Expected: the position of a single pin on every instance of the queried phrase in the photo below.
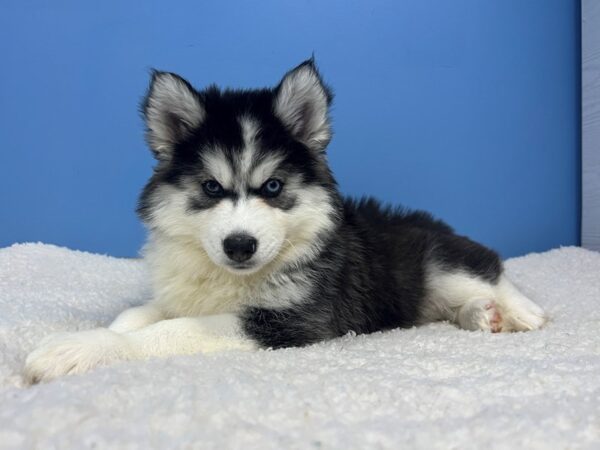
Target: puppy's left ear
(302, 103)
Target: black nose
(239, 247)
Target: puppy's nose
(239, 247)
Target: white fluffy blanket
(429, 387)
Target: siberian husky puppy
(251, 245)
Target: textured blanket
(430, 387)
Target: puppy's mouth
(243, 268)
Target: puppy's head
(241, 173)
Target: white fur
(248, 215)
(187, 283)
(70, 353)
(188, 280)
(247, 157)
(520, 313)
(73, 353)
(189, 335)
(217, 165)
(474, 303)
(252, 173)
(263, 171)
(136, 318)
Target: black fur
(370, 276)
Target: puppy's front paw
(72, 353)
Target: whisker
(291, 245)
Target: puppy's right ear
(172, 109)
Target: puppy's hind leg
(474, 303)
(462, 298)
(465, 284)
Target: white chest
(187, 283)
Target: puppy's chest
(184, 296)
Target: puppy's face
(241, 173)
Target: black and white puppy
(251, 245)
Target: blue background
(467, 108)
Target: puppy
(251, 245)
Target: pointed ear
(302, 103)
(171, 109)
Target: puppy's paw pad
(493, 317)
(481, 314)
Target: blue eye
(271, 188)
(213, 188)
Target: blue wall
(468, 108)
